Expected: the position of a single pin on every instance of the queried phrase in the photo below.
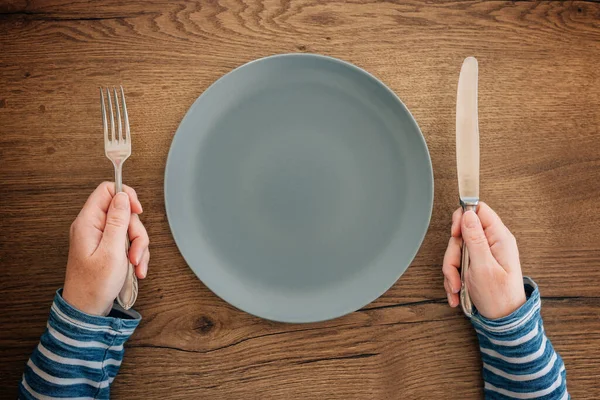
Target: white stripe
(517, 360)
(76, 361)
(81, 344)
(531, 395)
(90, 327)
(66, 381)
(512, 343)
(43, 397)
(513, 325)
(565, 396)
(523, 378)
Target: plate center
(299, 186)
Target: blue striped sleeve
(519, 361)
(79, 354)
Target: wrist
(508, 306)
(516, 301)
(85, 302)
(524, 312)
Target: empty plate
(298, 188)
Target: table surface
(539, 99)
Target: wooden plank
(539, 101)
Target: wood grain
(539, 118)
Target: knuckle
(449, 272)
(455, 243)
(130, 191)
(456, 215)
(74, 227)
(143, 241)
(445, 270)
(476, 238)
(499, 221)
(105, 185)
(117, 221)
(447, 286)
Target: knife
(467, 158)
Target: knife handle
(465, 299)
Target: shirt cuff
(118, 320)
(79, 354)
(519, 319)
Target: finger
(117, 224)
(136, 206)
(502, 242)
(487, 216)
(494, 228)
(456, 218)
(139, 239)
(452, 264)
(452, 298)
(474, 238)
(84, 236)
(141, 270)
(97, 204)
(103, 194)
(446, 286)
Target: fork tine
(125, 116)
(104, 124)
(112, 116)
(118, 110)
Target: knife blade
(467, 156)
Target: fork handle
(129, 292)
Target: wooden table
(540, 148)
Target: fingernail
(145, 270)
(471, 219)
(455, 290)
(450, 299)
(121, 201)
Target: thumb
(475, 239)
(117, 222)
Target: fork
(117, 150)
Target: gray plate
(298, 188)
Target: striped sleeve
(79, 354)
(519, 361)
